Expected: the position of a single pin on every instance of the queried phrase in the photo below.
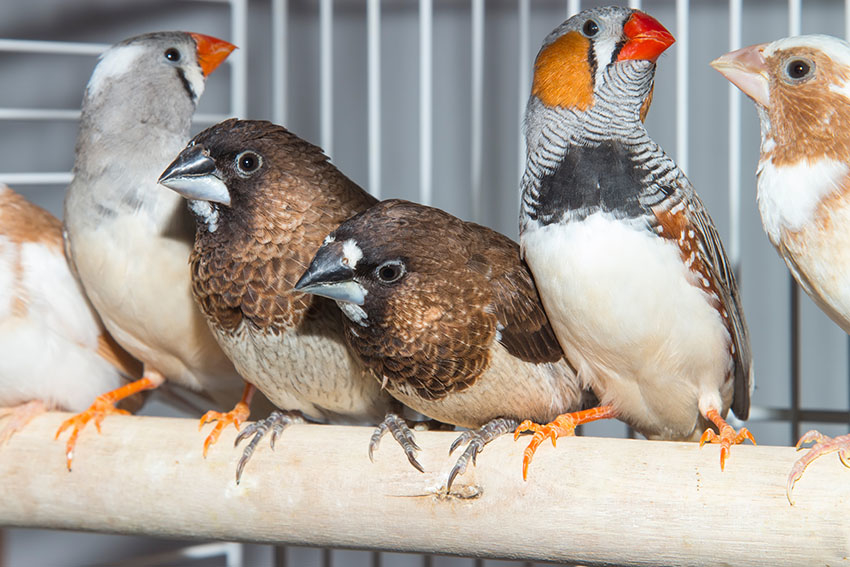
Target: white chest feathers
(789, 195)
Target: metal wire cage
(424, 100)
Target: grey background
(51, 81)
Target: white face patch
(354, 312)
(114, 62)
(196, 79)
(207, 212)
(788, 196)
(352, 252)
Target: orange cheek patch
(562, 73)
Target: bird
(54, 351)
(628, 263)
(445, 314)
(263, 200)
(128, 240)
(798, 86)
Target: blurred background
(423, 100)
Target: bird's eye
(248, 162)
(590, 29)
(390, 272)
(172, 54)
(799, 70)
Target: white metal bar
(682, 67)
(53, 47)
(636, 4)
(239, 58)
(477, 103)
(62, 178)
(426, 78)
(326, 74)
(524, 21)
(846, 19)
(373, 29)
(280, 25)
(795, 17)
(736, 8)
(38, 114)
(573, 7)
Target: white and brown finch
(54, 351)
(629, 265)
(801, 87)
(445, 314)
(129, 239)
(264, 199)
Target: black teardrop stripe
(602, 177)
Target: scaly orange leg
(563, 426)
(104, 405)
(240, 412)
(18, 417)
(823, 445)
(727, 436)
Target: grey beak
(194, 175)
(329, 277)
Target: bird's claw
(18, 417)
(476, 440)
(402, 433)
(563, 426)
(101, 407)
(726, 439)
(822, 446)
(240, 412)
(277, 421)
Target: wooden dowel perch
(590, 501)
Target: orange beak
(211, 51)
(647, 38)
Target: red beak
(211, 51)
(647, 38)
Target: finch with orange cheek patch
(629, 265)
(263, 200)
(445, 314)
(54, 351)
(801, 88)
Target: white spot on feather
(207, 212)
(352, 252)
(354, 312)
(114, 62)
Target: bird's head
(156, 62)
(581, 56)
(801, 88)
(237, 174)
(383, 264)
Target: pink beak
(747, 70)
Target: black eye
(172, 54)
(390, 272)
(798, 69)
(248, 162)
(590, 28)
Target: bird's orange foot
(726, 438)
(563, 426)
(101, 407)
(236, 416)
(18, 417)
(822, 446)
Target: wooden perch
(590, 501)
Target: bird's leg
(822, 446)
(18, 417)
(240, 412)
(402, 434)
(563, 426)
(277, 421)
(727, 436)
(104, 405)
(476, 440)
